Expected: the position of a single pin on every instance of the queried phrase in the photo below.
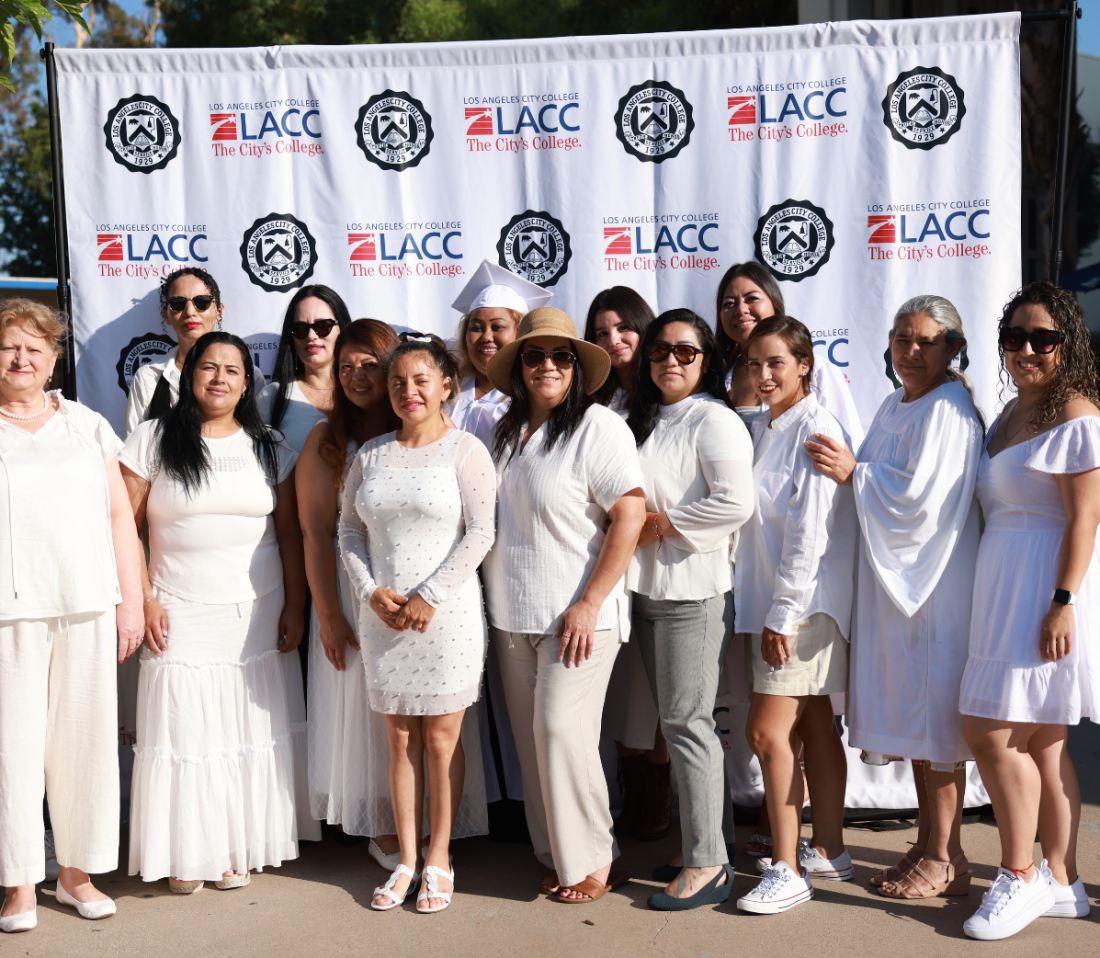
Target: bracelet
(660, 538)
(147, 601)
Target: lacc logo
(914, 233)
(670, 243)
(288, 130)
(403, 253)
(536, 127)
(157, 256)
(816, 114)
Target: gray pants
(683, 646)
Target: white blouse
(697, 464)
(485, 413)
(300, 416)
(218, 545)
(57, 554)
(145, 381)
(797, 553)
(552, 510)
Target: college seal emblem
(140, 351)
(142, 134)
(394, 130)
(923, 108)
(278, 252)
(654, 121)
(793, 239)
(535, 246)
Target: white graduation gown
(914, 491)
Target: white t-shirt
(218, 546)
(57, 552)
(551, 520)
(300, 416)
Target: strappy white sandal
(430, 888)
(386, 891)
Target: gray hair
(942, 312)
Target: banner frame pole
(60, 229)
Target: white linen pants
(556, 714)
(58, 735)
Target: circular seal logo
(536, 247)
(142, 134)
(394, 130)
(793, 239)
(278, 252)
(923, 108)
(654, 121)
(140, 351)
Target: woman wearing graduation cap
(492, 303)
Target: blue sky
(1088, 28)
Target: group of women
(576, 535)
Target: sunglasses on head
(179, 303)
(1043, 341)
(562, 358)
(685, 355)
(321, 327)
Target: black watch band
(1063, 597)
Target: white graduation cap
(493, 285)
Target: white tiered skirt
(220, 767)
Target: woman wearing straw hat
(571, 505)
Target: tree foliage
(29, 13)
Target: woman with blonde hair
(70, 598)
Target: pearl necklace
(41, 412)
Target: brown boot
(655, 820)
(632, 789)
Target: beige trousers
(556, 714)
(58, 715)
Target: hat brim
(595, 362)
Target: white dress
(914, 492)
(219, 778)
(300, 416)
(1006, 677)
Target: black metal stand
(1070, 14)
(60, 230)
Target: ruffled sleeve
(1067, 449)
(139, 451)
(913, 514)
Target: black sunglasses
(685, 355)
(321, 327)
(562, 358)
(1043, 341)
(179, 303)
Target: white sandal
(429, 889)
(386, 891)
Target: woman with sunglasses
(190, 306)
(301, 392)
(1034, 666)
(697, 463)
(570, 507)
(914, 492)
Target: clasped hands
(401, 612)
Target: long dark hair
(635, 314)
(647, 397)
(347, 421)
(1075, 374)
(181, 452)
(728, 350)
(564, 417)
(288, 365)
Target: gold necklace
(1010, 437)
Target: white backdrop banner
(862, 162)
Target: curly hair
(200, 274)
(1075, 374)
(45, 322)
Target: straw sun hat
(548, 321)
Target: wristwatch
(1063, 597)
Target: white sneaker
(1070, 901)
(816, 864)
(1009, 906)
(779, 889)
(53, 869)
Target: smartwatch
(1063, 597)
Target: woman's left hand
(832, 457)
(415, 614)
(577, 631)
(130, 623)
(775, 649)
(291, 629)
(1056, 633)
